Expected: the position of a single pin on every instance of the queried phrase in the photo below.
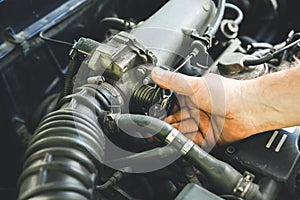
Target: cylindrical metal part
(163, 33)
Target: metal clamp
(244, 184)
(166, 98)
(187, 147)
(135, 46)
(172, 135)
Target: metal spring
(143, 98)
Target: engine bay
(83, 119)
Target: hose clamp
(187, 147)
(172, 135)
(244, 184)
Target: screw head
(230, 150)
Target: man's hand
(216, 109)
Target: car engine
(81, 117)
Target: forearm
(275, 99)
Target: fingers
(195, 88)
(203, 139)
(186, 126)
(197, 138)
(194, 124)
(181, 84)
(178, 116)
(185, 113)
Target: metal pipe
(240, 15)
(215, 24)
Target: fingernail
(158, 72)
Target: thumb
(179, 83)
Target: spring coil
(64, 156)
(143, 98)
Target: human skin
(247, 108)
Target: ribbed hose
(73, 67)
(65, 154)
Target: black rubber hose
(258, 61)
(113, 180)
(82, 48)
(116, 23)
(157, 153)
(222, 176)
(215, 24)
(65, 154)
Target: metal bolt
(233, 27)
(230, 150)
(147, 81)
(96, 80)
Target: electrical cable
(43, 37)
(269, 56)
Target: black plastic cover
(274, 154)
